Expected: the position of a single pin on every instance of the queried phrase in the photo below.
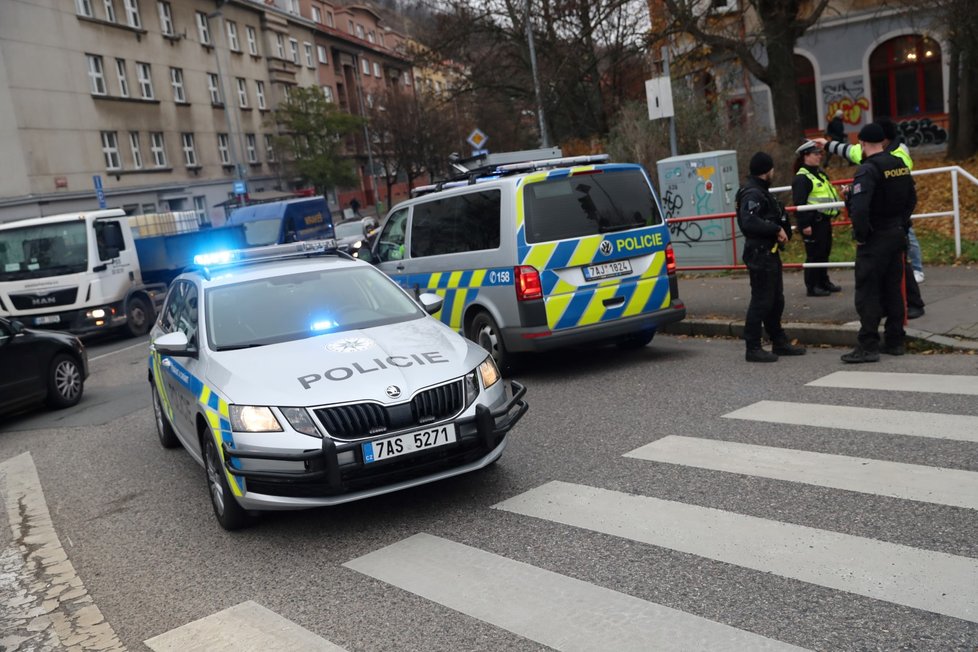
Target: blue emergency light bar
(270, 252)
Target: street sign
(479, 152)
(240, 188)
(477, 138)
(99, 193)
(659, 94)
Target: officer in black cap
(880, 203)
(765, 226)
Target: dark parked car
(39, 366)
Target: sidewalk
(716, 305)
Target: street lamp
(544, 137)
(234, 131)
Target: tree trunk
(781, 81)
(966, 131)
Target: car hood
(355, 365)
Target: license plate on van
(607, 270)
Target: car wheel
(168, 438)
(139, 316)
(229, 513)
(65, 382)
(484, 332)
(635, 340)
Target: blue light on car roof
(214, 258)
(324, 325)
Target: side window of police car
(187, 319)
(390, 246)
(174, 303)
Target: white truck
(86, 273)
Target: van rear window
(588, 204)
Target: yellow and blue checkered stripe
(215, 408)
(458, 288)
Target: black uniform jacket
(882, 196)
(760, 216)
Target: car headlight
(301, 422)
(489, 372)
(251, 418)
(471, 388)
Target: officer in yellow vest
(811, 186)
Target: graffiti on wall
(921, 132)
(847, 96)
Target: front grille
(359, 420)
(33, 301)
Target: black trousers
(766, 297)
(880, 267)
(818, 246)
(914, 299)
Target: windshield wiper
(235, 347)
(620, 227)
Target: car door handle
(399, 268)
(614, 302)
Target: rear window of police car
(588, 204)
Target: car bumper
(78, 322)
(324, 481)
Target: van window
(390, 245)
(588, 204)
(455, 224)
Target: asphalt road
(136, 522)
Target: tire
(139, 316)
(484, 332)
(635, 340)
(65, 382)
(168, 438)
(228, 511)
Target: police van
(538, 254)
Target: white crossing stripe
(247, 626)
(933, 383)
(552, 609)
(892, 422)
(909, 481)
(933, 581)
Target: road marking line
(894, 479)
(922, 579)
(551, 609)
(893, 422)
(247, 626)
(133, 346)
(900, 382)
(51, 608)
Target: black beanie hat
(872, 133)
(761, 163)
(889, 128)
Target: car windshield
(262, 232)
(349, 229)
(301, 305)
(43, 250)
(588, 204)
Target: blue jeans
(913, 253)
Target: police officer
(765, 226)
(812, 186)
(880, 203)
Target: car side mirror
(365, 254)
(431, 302)
(175, 344)
(16, 327)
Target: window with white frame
(84, 8)
(377, 71)
(242, 93)
(294, 7)
(132, 13)
(145, 75)
(176, 80)
(251, 147)
(360, 33)
(329, 19)
(321, 53)
(269, 148)
(203, 28)
(371, 37)
(96, 74)
(350, 27)
(109, 10)
(214, 88)
(120, 72)
(157, 146)
(260, 94)
(294, 47)
(189, 150)
(328, 93)
(166, 17)
(224, 149)
(287, 92)
(280, 46)
(137, 154)
(252, 36)
(365, 66)
(317, 15)
(407, 78)
(310, 62)
(110, 149)
(382, 44)
(200, 207)
(233, 43)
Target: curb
(808, 333)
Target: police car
(300, 377)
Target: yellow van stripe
(655, 267)
(563, 287)
(595, 309)
(456, 319)
(641, 296)
(540, 254)
(434, 279)
(586, 250)
(454, 279)
(478, 277)
(556, 307)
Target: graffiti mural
(847, 96)
(921, 132)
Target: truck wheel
(229, 513)
(139, 316)
(635, 340)
(65, 382)
(484, 332)
(168, 438)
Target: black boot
(859, 354)
(785, 347)
(760, 355)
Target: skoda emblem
(393, 391)
(606, 248)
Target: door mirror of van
(431, 303)
(175, 344)
(365, 254)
